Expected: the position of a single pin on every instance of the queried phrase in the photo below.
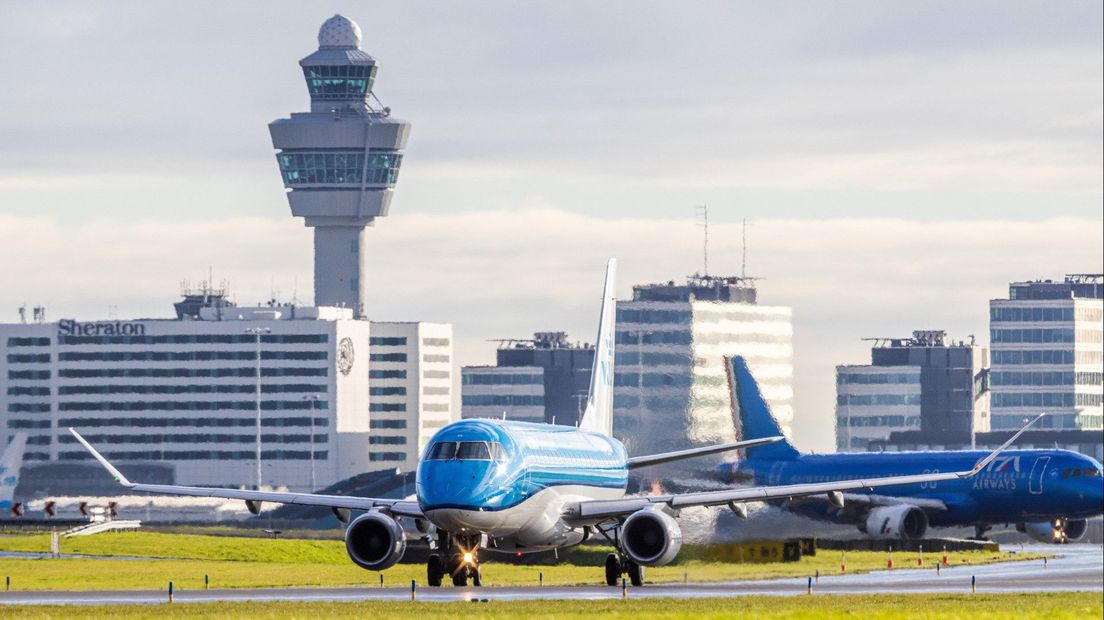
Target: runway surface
(1077, 568)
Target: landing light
(468, 557)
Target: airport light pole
(313, 398)
(256, 332)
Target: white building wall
(411, 387)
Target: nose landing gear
(458, 559)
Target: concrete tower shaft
(340, 161)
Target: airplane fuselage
(516, 490)
(1019, 486)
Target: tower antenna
(703, 211)
(743, 248)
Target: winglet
(983, 463)
(115, 473)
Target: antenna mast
(703, 211)
(743, 248)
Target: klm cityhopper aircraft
(1048, 494)
(512, 487)
(10, 464)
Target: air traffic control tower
(340, 161)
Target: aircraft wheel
(613, 569)
(435, 570)
(460, 579)
(636, 574)
(477, 577)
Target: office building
(1047, 353)
(923, 383)
(671, 390)
(545, 380)
(340, 161)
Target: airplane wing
(927, 504)
(605, 509)
(667, 457)
(402, 508)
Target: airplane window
(473, 451)
(1065, 473)
(1092, 473)
(497, 453)
(442, 451)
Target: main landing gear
(456, 558)
(619, 564)
(616, 566)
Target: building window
(387, 456)
(387, 357)
(387, 341)
(435, 358)
(386, 374)
(392, 424)
(435, 391)
(387, 407)
(28, 342)
(387, 440)
(339, 82)
(436, 374)
(503, 400)
(435, 342)
(473, 378)
(339, 168)
(387, 391)
(435, 408)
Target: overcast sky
(899, 163)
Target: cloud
(508, 273)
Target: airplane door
(1035, 483)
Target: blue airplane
(1048, 494)
(513, 487)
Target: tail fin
(598, 417)
(10, 463)
(756, 420)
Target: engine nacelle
(1058, 531)
(899, 521)
(375, 541)
(651, 537)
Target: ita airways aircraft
(1048, 494)
(487, 486)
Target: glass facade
(339, 82)
(339, 168)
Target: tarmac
(1076, 568)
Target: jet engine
(897, 521)
(651, 537)
(375, 541)
(1058, 531)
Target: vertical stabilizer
(598, 417)
(754, 414)
(10, 463)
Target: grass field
(1052, 606)
(238, 562)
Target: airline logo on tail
(10, 463)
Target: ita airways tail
(598, 417)
(754, 414)
(10, 463)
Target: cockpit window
(473, 451)
(442, 451)
(466, 451)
